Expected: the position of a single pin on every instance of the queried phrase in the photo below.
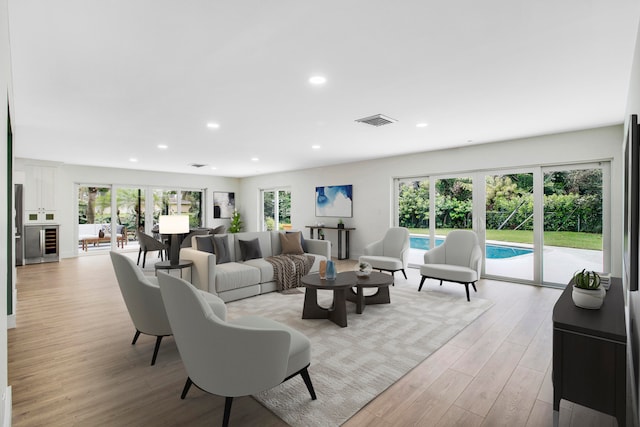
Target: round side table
(166, 265)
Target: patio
(559, 263)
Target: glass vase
(331, 270)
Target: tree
(413, 204)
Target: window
(276, 209)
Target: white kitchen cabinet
(39, 194)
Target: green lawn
(566, 239)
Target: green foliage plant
(270, 223)
(236, 223)
(586, 280)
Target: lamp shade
(174, 224)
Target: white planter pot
(588, 298)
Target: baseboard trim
(6, 419)
(11, 321)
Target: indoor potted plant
(587, 292)
(236, 223)
(364, 269)
(340, 223)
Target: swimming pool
(493, 251)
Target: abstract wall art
(335, 201)
(223, 204)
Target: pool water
(493, 251)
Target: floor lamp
(174, 225)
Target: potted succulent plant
(587, 292)
(364, 269)
(340, 223)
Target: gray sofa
(241, 279)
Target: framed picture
(334, 200)
(223, 204)
(631, 205)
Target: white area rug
(351, 366)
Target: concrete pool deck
(559, 264)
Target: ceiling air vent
(377, 120)
(197, 165)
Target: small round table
(166, 265)
(342, 292)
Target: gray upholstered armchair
(142, 297)
(389, 254)
(149, 244)
(235, 358)
(458, 259)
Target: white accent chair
(231, 358)
(389, 254)
(142, 297)
(458, 259)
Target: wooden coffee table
(342, 288)
(375, 280)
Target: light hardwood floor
(71, 362)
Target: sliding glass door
(453, 205)
(537, 225)
(94, 218)
(509, 226)
(413, 208)
(105, 208)
(573, 221)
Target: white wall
(633, 313)
(70, 175)
(5, 84)
(373, 190)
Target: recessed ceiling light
(213, 168)
(163, 146)
(315, 147)
(213, 125)
(422, 125)
(254, 159)
(317, 80)
(133, 159)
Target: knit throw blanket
(288, 269)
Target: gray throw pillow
(219, 229)
(250, 249)
(222, 249)
(205, 244)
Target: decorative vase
(588, 298)
(331, 270)
(322, 270)
(100, 234)
(340, 225)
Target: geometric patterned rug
(351, 366)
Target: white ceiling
(99, 82)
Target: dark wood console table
(590, 354)
(344, 230)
